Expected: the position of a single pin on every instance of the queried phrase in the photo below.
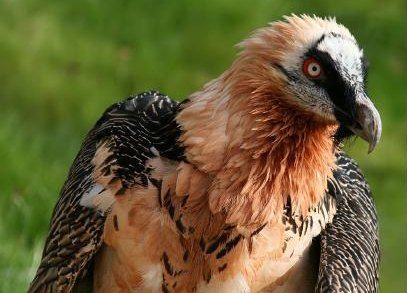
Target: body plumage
(240, 188)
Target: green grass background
(63, 62)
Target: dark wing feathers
(134, 127)
(349, 258)
(131, 129)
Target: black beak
(367, 123)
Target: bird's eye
(312, 68)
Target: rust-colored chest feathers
(237, 216)
(165, 238)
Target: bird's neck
(260, 152)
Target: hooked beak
(367, 124)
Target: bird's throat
(260, 153)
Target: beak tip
(370, 125)
(371, 148)
(377, 133)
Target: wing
(112, 159)
(349, 247)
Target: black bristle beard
(341, 134)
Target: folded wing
(112, 159)
(349, 259)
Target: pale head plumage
(284, 45)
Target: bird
(242, 187)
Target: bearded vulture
(243, 187)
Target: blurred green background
(63, 62)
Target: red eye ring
(312, 68)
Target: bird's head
(267, 128)
(316, 65)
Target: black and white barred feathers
(134, 129)
(349, 254)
